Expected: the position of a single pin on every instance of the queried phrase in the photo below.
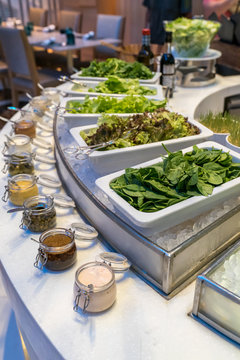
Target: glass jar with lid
(26, 126)
(39, 213)
(20, 187)
(95, 287)
(19, 163)
(57, 250)
(40, 103)
(52, 93)
(17, 143)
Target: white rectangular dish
(177, 213)
(108, 161)
(92, 117)
(67, 88)
(153, 80)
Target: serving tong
(64, 78)
(83, 151)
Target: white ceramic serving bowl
(153, 80)
(177, 213)
(67, 89)
(108, 161)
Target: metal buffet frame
(167, 272)
(203, 280)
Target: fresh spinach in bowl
(178, 177)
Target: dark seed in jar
(39, 222)
(59, 260)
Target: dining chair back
(71, 19)
(22, 69)
(109, 26)
(38, 16)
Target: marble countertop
(140, 325)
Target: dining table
(56, 41)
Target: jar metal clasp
(27, 218)
(39, 264)
(6, 194)
(5, 148)
(5, 167)
(86, 294)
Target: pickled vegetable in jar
(20, 163)
(39, 213)
(21, 187)
(57, 250)
(25, 126)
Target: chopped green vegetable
(139, 129)
(106, 104)
(179, 177)
(115, 85)
(191, 37)
(117, 67)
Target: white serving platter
(175, 214)
(153, 80)
(108, 161)
(67, 88)
(92, 118)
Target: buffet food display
(171, 196)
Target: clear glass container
(20, 187)
(95, 287)
(39, 213)
(40, 103)
(19, 163)
(57, 250)
(52, 94)
(26, 126)
(17, 143)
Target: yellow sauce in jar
(20, 190)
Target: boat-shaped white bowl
(92, 118)
(153, 80)
(175, 214)
(67, 89)
(108, 161)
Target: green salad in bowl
(191, 37)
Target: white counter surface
(140, 325)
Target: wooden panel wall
(131, 9)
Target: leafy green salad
(139, 129)
(178, 177)
(117, 67)
(106, 104)
(115, 85)
(191, 37)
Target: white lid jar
(95, 287)
(17, 143)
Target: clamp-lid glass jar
(57, 250)
(52, 93)
(40, 103)
(20, 187)
(17, 143)
(19, 163)
(25, 126)
(39, 213)
(95, 287)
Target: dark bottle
(167, 66)
(145, 55)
